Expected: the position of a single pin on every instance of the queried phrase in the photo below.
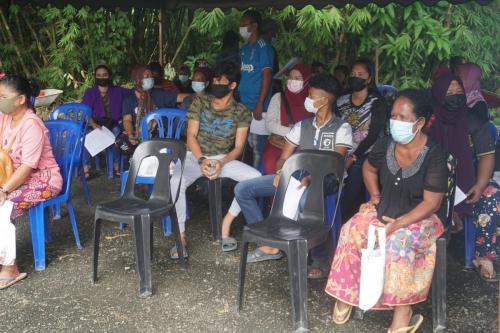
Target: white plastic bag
(371, 284)
(7, 235)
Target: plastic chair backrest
(450, 193)
(166, 151)
(318, 164)
(174, 119)
(77, 112)
(388, 92)
(64, 136)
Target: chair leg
(37, 228)
(243, 267)
(439, 316)
(141, 230)
(72, 218)
(97, 162)
(167, 225)
(470, 240)
(47, 225)
(177, 234)
(297, 271)
(85, 187)
(215, 207)
(56, 211)
(97, 238)
(109, 164)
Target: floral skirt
(410, 259)
(32, 192)
(486, 216)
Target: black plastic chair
(215, 207)
(138, 212)
(296, 238)
(438, 292)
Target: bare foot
(269, 250)
(226, 224)
(8, 272)
(401, 317)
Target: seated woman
(142, 100)
(36, 177)
(471, 78)
(283, 112)
(106, 101)
(412, 172)
(466, 136)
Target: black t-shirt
(481, 110)
(368, 120)
(480, 136)
(403, 189)
(161, 99)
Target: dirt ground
(200, 298)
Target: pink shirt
(31, 147)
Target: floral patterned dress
(486, 214)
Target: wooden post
(377, 53)
(160, 35)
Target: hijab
(296, 100)
(449, 128)
(145, 102)
(471, 77)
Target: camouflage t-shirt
(217, 131)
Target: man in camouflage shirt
(217, 132)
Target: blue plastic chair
(64, 137)
(388, 92)
(174, 120)
(81, 114)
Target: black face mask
(220, 90)
(454, 102)
(157, 80)
(103, 82)
(356, 83)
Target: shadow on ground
(198, 299)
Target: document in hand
(459, 195)
(98, 140)
(292, 198)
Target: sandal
(258, 255)
(413, 325)
(174, 254)
(485, 270)
(12, 280)
(344, 314)
(317, 271)
(229, 244)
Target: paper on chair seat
(292, 198)
(98, 140)
(148, 167)
(459, 196)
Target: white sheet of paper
(98, 140)
(292, 198)
(6, 210)
(148, 167)
(459, 195)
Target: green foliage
(60, 47)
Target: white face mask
(198, 86)
(309, 105)
(402, 131)
(148, 83)
(183, 78)
(245, 33)
(295, 86)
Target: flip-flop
(12, 280)
(229, 244)
(415, 322)
(174, 254)
(258, 255)
(345, 314)
(314, 269)
(478, 265)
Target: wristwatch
(201, 159)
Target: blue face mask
(197, 86)
(148, 83)
(402, 131)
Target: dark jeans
(354, 193)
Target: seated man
(216, 135)
(323, 132)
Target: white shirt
(273, 120)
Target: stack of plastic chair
(81, 114)
(296, 238)
(170, 123)
(140, 213)
(64, 138)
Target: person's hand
(276, 181)
(391, 225)
(206, 168)
(304, 182)
(216, 169)
(3, 197)
(257, 112)
(474, 193)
